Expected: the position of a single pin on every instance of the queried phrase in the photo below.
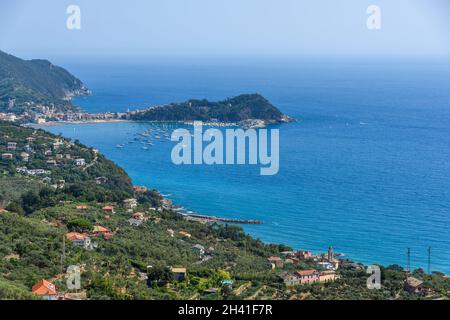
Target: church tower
(330, 256)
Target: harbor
(206, 219)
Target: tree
(15, 207)
(158, 275)
(80, 225)
(30, 201)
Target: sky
(31, 28)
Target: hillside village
(64, 204)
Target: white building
(80, 162)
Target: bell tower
(330, 255)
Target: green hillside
(26, 84)
(137, 258)
(232, 110)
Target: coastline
(58, 123)
(61, 123)
(204, 214)
(247, 124)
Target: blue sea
(365, 169)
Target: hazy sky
(31, 28)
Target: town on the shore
(41, 114)
(48, 115)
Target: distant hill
(24, 84)
(233, 110)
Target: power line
(63, 255)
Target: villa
(80, 240)
(12, 146)
(101, 180)
(134, 222)
(45, 289)
(80, 162)
(179, 274)
(304, 255)
(290, 279)
(414, 285)
(130, 203)
(51, 162)
(184, 234)
(276, 261)
(327, 276)
(25, 156)
(100, 230)
(139, 216)
(35, 172)
(308, 276)
(140, 189)
(57, 145)
(325, 265)
(199, 249)
(109, 209)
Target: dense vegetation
(135, 262)
(57, 156)
(24, 85)
(232, 110)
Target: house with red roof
(105, 232)
(276, 261)
(45, 289)
(303, 254)
(80, 239)
(139, 216)
(109, 209)
(100, 229)
(308, 276)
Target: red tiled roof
(309, 272)
(75, 236)
(138, 214)
(100, 229)
(275, 259)
(44, 287)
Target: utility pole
(63, 255)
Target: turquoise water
(365, 169)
